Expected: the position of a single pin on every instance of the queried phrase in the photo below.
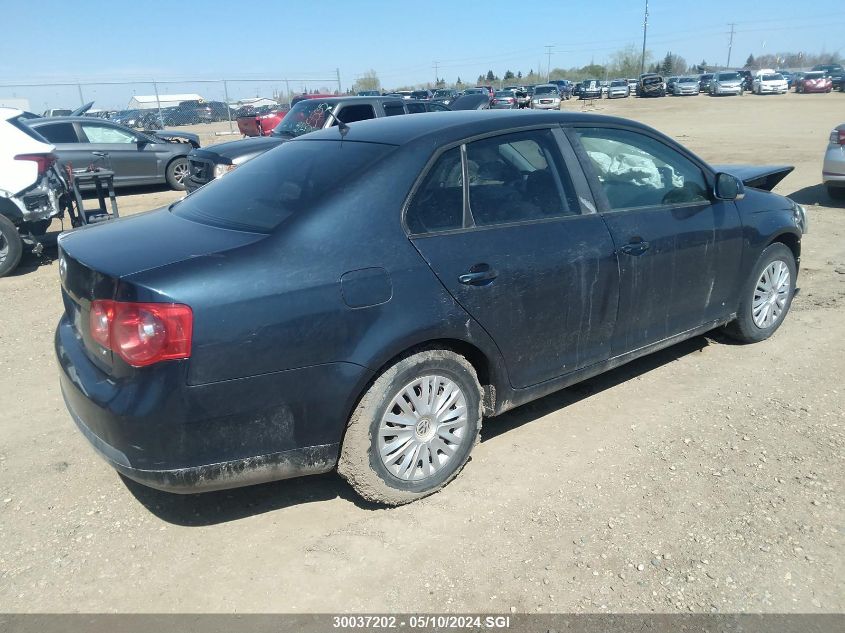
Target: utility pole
(645, 31)
(549, 70)
(730, 44)
(339, 89)
(436, 77)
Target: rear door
(679, 248)
(133, 163)
(506, 224)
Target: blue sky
(119, 40)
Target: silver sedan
(685, 86)
(833, 171)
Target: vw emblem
(63, 268)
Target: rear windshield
(19, 123)
(262, 193)
(728, 76)
(774, 77)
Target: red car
(261, 123)
(814, 81)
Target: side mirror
(728, 187)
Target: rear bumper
(161, 432)
(833, 168)
(311, 460)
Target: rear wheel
(414, 428)
(11, 246)
(767, 296)
(177, 173)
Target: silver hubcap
(771, 294)
(423, 428)
(4, 248)
(180, 171)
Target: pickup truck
(307, 115)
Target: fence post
(228, 105)
(81, 100)
(158, 105)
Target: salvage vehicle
(651, 86)
(137, 158)
(833, 169)
(704, 82)
(546, 97)
(770, 82)
(685, 86)
(358, 298)
(814, 81)
(727, 83)
(261, 122)
(618, 88)
(31, 188)
(445, 95)
(204, 165)
(836, 74)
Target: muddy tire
(414, 428)
(11, 246)
(177, 173)
(766, 297)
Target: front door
(516, 249)
(679, 248)
(133, 163)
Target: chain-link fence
(158, 104)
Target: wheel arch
(791, 241)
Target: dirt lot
(707, 477)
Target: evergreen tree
(490, 76)
(750, 62)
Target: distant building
(14, 102)
(148, 102)
(257, 102)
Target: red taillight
(838, 137)
(142, 333)
(42, 161)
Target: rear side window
(261, 194)
(393, 108)
(18, 122)
(358, 112)
(438, 204)
(58, 133)
(518, 177)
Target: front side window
(518, 177)
(638, 171)
(103, 134)
(358, 112)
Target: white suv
(30, 188)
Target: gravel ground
(706, 477)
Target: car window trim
(464, 172)
(595, 183)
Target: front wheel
(837, 193)
(11, 246)
(414, 428)
(177, 173)
(767, 296)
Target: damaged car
(137, 158)
(360, 297)
(31, 188)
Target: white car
(769, 82)
(833, 170)
(618, 88)
(30, 188)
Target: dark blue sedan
(359, 298)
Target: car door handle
(635, 248)
(479, 275)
